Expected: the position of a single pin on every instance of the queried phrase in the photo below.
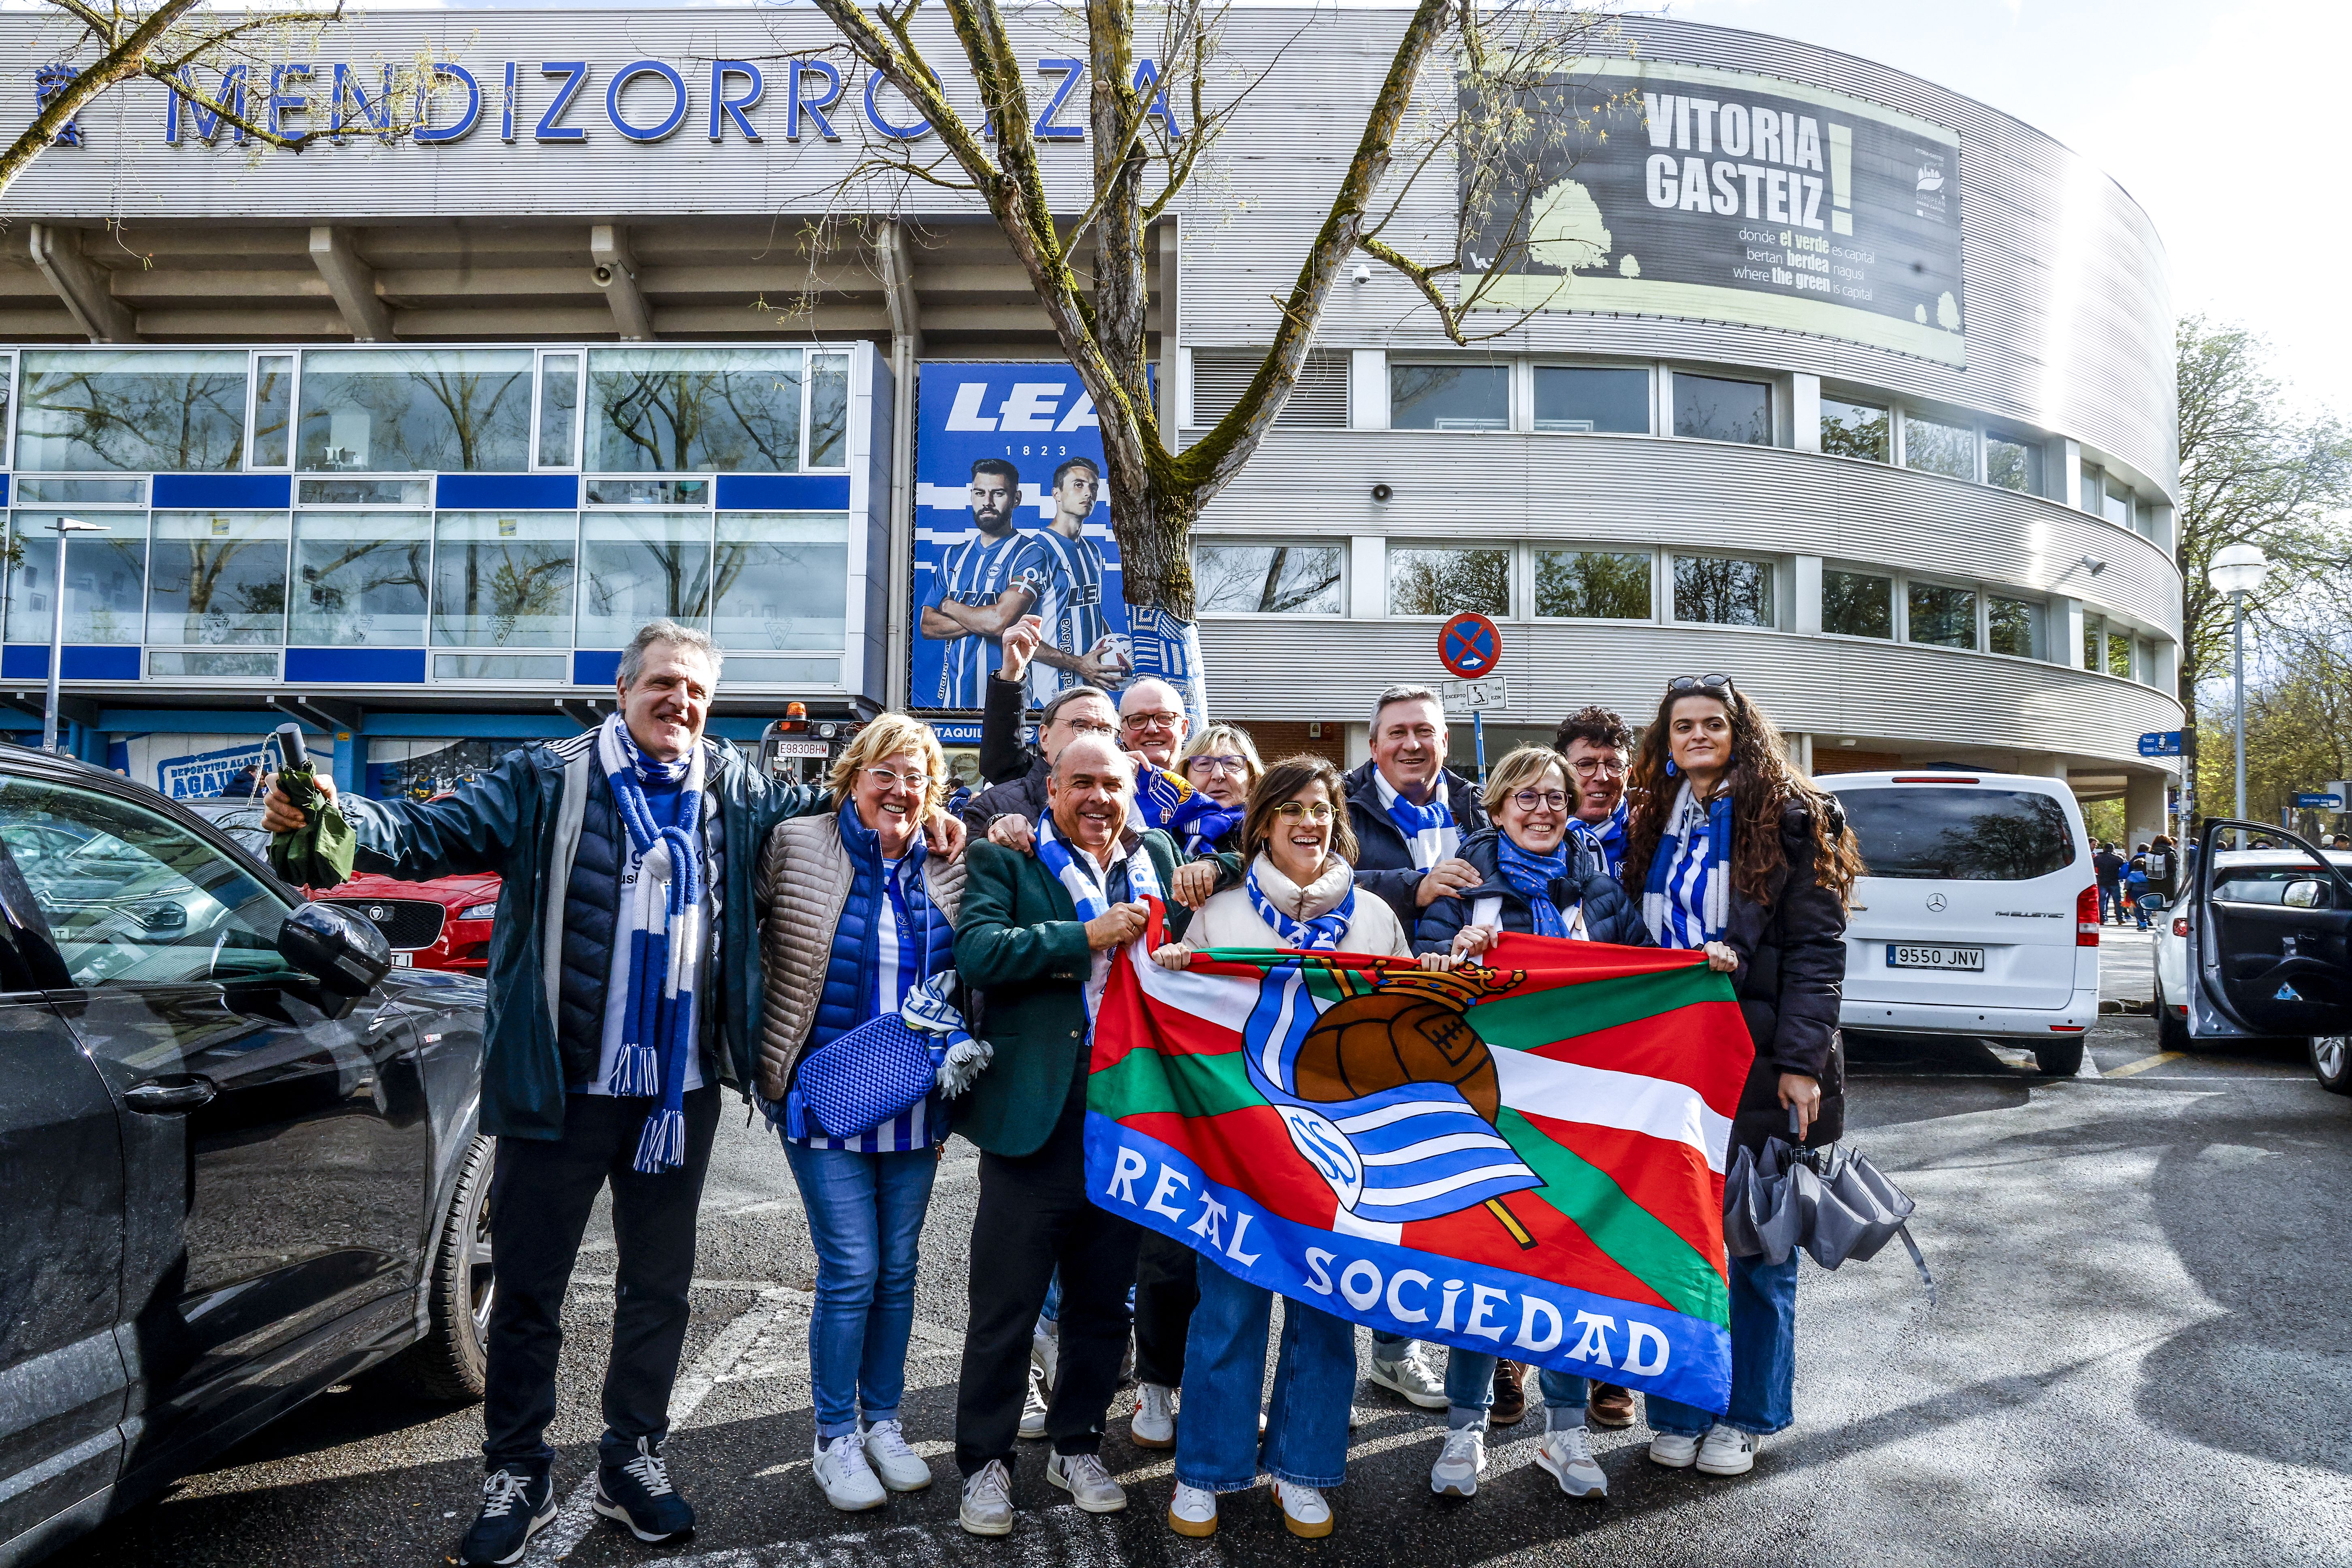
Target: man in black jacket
(1016, 774)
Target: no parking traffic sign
(1470, 646)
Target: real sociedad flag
(1415, 1152)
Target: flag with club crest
(1525, 1158)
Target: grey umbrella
(1833, 1201)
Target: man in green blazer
(1023, 938)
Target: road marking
(2144, 1063)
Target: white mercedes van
(1977, 913)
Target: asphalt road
(2138, 1356)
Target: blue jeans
(866, 1216)
(1470, 1388)
(1305, 1443)
(1763, 1356)
(2141, 902)
(2111, 902)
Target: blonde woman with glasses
(1221, 761)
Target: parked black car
(237, 1151)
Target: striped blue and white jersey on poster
(977, 572)
(897, 969)
(1070, 602)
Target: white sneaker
(1567, 1453)
(1033, 1406)
(1089, 1484)
(842, 1473)
(1460, 1463)
(901, 1469)
(1674, 1453)
(1728, 1451)
(1410, 1374)
(987, 1505)
(1304, 1511)
(1046, 1350)
(1154, 1426)
(1192, 1511)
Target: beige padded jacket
(801, 888)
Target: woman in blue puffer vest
(857, 914)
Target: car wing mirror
(345, 954)
(2304, 896)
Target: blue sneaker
(517, 1502)
(638, 1494)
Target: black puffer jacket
(1383, 860)
(1609, 914)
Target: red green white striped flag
(1525, 1158)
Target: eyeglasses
(882, 778)
(1218, 765)
(1603, 767)
(1701, 683)
(1089, 726)
(1161, 720)
(1292, 810)
(1529, 799)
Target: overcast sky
(2212, 113)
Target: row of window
(1570, 583)
(755, 581)
(403, 410)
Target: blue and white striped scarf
(1430, 834)
(1320, 933)
(1686, 901)
(1083, 878)
(661, 931)
(1604, 840)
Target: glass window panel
(2014, 625)
(1593, 584)
(1585, 400)
(1855, 430)
(2119, 505)
(1713, 408)
(1446, 581)
(683, 410)
(2146, 648)
(1858, 604)
(2144, 521)
(81, 493)
(2095, 490)
(500, 667)
(780, 581)
(273, 409)
(105, 580)
(1269, 579)
(1449, 397)
(181, 410)
(828, 411)
(428, 410)
(503, 580)
(558, 411)
(649, 492)
(1723, 590)
(2094, 649)
(218, 578)
(1944, 616)
(180, 664)
(363, 492)
(8, 387)
(2119, 647)
(1939, 448)
(640, 566)
(2013, 464)
(359, 578)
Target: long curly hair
(1762, 783)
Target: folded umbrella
(319, 853)
(1832, 1202)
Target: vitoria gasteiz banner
(1651, 188)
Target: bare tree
(1505, 112)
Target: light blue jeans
(1470, 1388)
(866, 1216)
(1763, 1356)
(1306, 1442)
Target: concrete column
(1805, 412)
(1367, 577)
(1805, 602)
(1368, 390)
(2067, 622)
(2144, 806)
(1358, 738)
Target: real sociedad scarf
(1210, 828)
(1321, 933)
(662, 927)
(1083, 880)
(1605, 838)
(1430, 834)
(1169, 802)
(1688, 891)
(1534, 878)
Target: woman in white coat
(1299, 893)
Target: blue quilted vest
(856, 940)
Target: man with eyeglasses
(1017, 775)
(1151, 722)
(1599, 746)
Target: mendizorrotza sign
(1650, 188)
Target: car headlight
(477, 911)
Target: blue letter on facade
(459, 128)
(734, 107)
(629, 73)
(575, 72)
(814, 106)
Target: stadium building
(1810, 372)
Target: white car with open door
(2263, 948)
(2240, 876)
(1978, 912)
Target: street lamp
(63, 526)
(2238, 570)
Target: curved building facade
(1813, 372)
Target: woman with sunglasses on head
(1221, 761)
(1530, 883)
(858, 914)
(1736, 852)
(1299, 893)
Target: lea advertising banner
(1525, 1159)
(1651, 188)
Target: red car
(441, 925)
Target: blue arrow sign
(2161, 743)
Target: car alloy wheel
(451, 1361)
(2331, 1062)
